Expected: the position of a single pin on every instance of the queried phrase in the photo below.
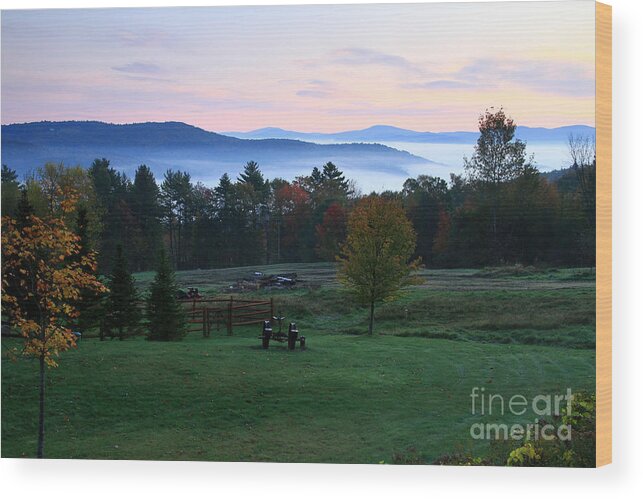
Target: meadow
(347, 398)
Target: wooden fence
(205, 313)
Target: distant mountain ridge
(376, 157)
(206, 155)
(385, 133)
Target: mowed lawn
(347, 398)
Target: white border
(123, 479)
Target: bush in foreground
(579, 452)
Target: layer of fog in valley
(445, 158)
(547, 156)
(449, 158)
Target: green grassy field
(347, 398)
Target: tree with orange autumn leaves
(376, 259)
(43, 275)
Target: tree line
(500, 211)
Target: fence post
(272, 308)
(230, 317)
(203, 321)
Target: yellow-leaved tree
(43, 274)
(376, 259)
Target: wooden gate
(205, 313)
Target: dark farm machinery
(291, 337)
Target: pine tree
(82, 225)
(121, 311)
(10, 191)
(88, 303)
(12, 281)
(252, 176)
(228, 221)
(335, 181)
(112, 192)
(315, 180)
(166, 318)
(24, 210)
(146, 208)
(176, 195)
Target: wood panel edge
(603, 234)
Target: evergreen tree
(12, 281)
(103, 178)
(166, 317)
(9, 175)
(10, 191)
(88, 303)
(425, 197)
(24, 210)
(252, 176)
(112, 189)
(327, 186)
(254, 193)
(146, 209)
(225, 195)
(121, 312)
(82, 224)
(335, 183)
(204, 233)
(315, 180)
(176, 195)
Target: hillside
(346, 398)
(206, 155)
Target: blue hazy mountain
(206, 155)
(378, 158)
(384, 133)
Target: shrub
(410, 456)
(580, 451)
(462, 460)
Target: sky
(324, 68)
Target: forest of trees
(501, 211)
